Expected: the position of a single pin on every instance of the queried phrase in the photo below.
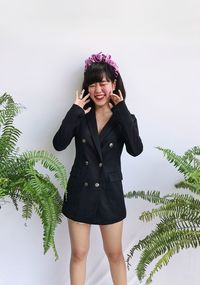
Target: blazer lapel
(92, 124)
(109, 126)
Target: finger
(77, 96)
(114, 96)
(81, 95)
(88, 110)
(110, 105)
(120, 94)
(86, 97)
(87, 101)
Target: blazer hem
(92, 222)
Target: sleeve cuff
(120, 107)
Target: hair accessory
(100, 57)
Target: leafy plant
(22, 182)
(178, 214)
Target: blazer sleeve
(129, 128)
(68, 127)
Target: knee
(115, 257)
(79, 255)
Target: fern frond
(190, 154)
(193, 187)
(44, 203)
(164, 241)
(19, 179)
(139, 246)
(14, 196)
(27, 208)
(54, 249)
(8, 109)
(3, 193)
(49, 161)
(181, 165)
(164, 226)
(171, 210)
(151, 196)
(179, 215)
(6, 98)
(186, 199)
(164, 260)
(8, 140)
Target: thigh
(79, 235)
(112, 236)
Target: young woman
(101, 124)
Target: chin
(101, 104)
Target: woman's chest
(102, 121)
(88, 133)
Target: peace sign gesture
(82, 101)
(116, 98)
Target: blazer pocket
(115, 176)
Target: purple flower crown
(100, 57)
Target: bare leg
(79, 236)
(112, 240)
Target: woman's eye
(91, 86)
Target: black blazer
(94, 191)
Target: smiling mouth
(99, 97)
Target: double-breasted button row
(87, 163)
(96, 185)
(111, 144)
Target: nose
(97, 88)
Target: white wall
(43, 45)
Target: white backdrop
(43, 45)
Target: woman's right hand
(82, 101)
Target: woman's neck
(103, 109)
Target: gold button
(96, 185)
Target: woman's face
(100, 91)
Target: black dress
(94, 191)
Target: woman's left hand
(116, 98)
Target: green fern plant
(178, 214)
(22, 182)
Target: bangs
(96, 72)
(95, 76)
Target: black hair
(95, 73)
